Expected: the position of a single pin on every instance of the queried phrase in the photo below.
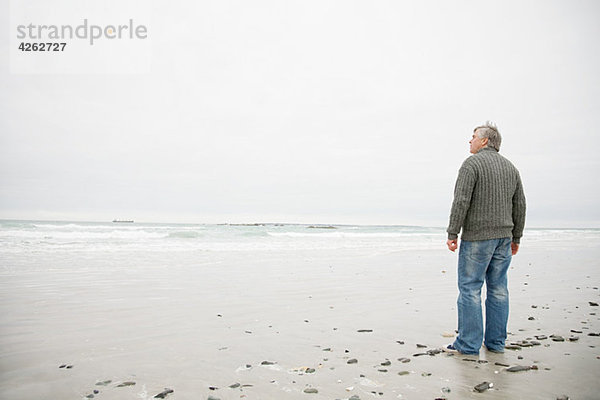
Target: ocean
(23, 237)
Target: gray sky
(311, 111)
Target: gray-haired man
(489, 207)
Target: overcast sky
(311, 111)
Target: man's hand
(514, 247)
(453, 244)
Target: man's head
(486, 135)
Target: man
(489, 207)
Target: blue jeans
(479, 261)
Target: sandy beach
(293, 324)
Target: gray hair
(490, 131)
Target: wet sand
(263, 321)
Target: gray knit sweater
(489, 202)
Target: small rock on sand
(124, 384)
(164, 393)
(352, 361)
(483, 386)
(518, 368)
(311, 390)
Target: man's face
(477, 143)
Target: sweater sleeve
(463, 190)
(518, 211)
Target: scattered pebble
(483, 386)
(518, 368)
(403, 373)
(126, 384)
(164, 393)
(352, 361)
(311, 390)
(593, 304)
(404, 360)
(365, 330)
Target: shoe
(493, 351)
(451, 349)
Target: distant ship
(129, 221)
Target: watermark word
(84, 31)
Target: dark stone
(311, 390)
(483, 386)
(541, 337)
(164, 393)
(501, 364)
(103, 383)
(365, 330)
(235, 385)
(62, 366)
(352, 361)
(404, 360)
(420, 354)
(593, 304)
(400, 341)
(531, 319)
(386, 363)
(421, 346)
(576, 331)
(518, 368)
(403, 373)
(267, 363)
(126, 384)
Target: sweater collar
(487, 149)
